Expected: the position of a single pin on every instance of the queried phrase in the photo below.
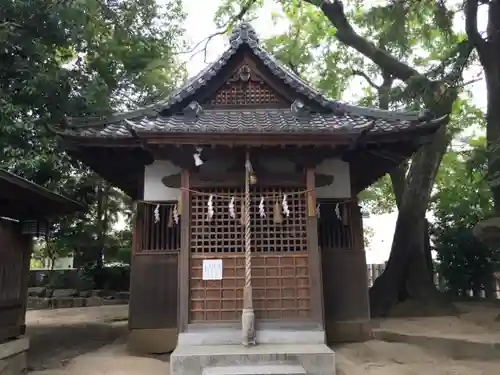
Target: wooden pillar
(313, 250)
(26, 243)
(184, 255)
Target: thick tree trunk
(407, 271)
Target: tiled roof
(262, 121)
(338, 116)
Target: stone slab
(13, 356)
(317, 359)
(12, 347)
(262, 369)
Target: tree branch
(366, 77)
(243, 11)
(334, 11)
(471, 7)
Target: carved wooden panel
(245, 88)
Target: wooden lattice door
(280, 263)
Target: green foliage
(112, 277)
(78, 58)
(461, 200)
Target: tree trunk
(407, 271)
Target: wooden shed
(25, 209)
(246, 180)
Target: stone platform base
(13, 356)
(315, 359)
(348, 331)
(265, 334)
(152, 341)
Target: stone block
(85, 293)
(93, 301)
(122, 295)
(63, 302)
(78, 302)
(99, 293)
(36, 292)
(38, 303)
(63, 293)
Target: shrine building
(248, 239)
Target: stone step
(258, 369)
(196, 360)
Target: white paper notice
(212, 269)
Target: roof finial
(244, 33)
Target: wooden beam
(237, 179)
(315, 268)
(184, 273)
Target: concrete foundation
(152, 341)
(315, 359)
(13, 356)
(233, 336)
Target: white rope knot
(262, 210)
(175, 214)
(337, 212)
(284, 204)
(232, 212)
(156, 213)
(210, 205)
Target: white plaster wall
(341, 185)
(154, 190)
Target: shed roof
(23, 199)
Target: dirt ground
(56, 336)
(90, 341)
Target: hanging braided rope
(248, 316)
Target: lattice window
(161, 235)
(245, 93)
(335, 225)
(223, 234)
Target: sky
(199, 25)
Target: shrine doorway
(280, 261)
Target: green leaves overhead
(78, 58)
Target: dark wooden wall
(153, 291)
(345, 283)
(15, 254)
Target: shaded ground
(56, 336)
(476, 322)
(90, 341)
(383, 358)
